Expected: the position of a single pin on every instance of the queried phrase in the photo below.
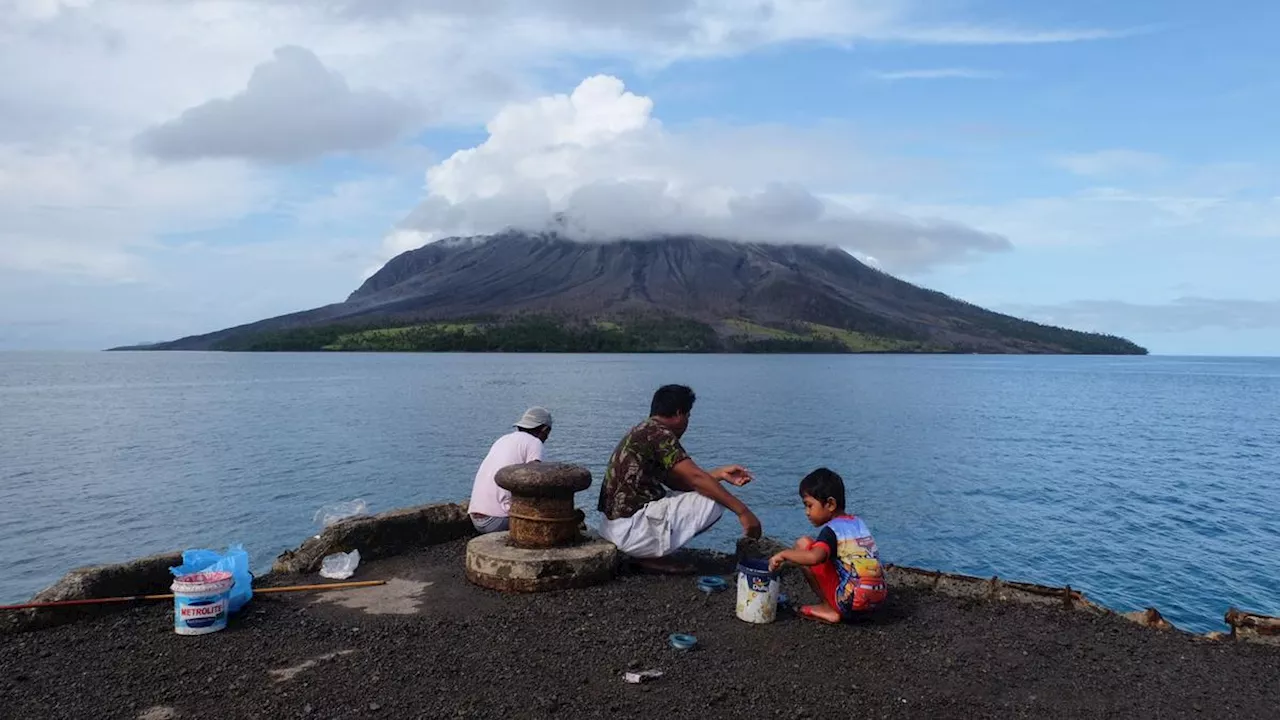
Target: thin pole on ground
(138, 598)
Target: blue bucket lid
(711, 583)
(682, 642)
(754, 566)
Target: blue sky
(1108, 166)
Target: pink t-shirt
(514, 448)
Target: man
(644, 519)
(490, 505)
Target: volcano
(520, 291)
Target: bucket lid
(209, 577)
(755, 566)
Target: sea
(1142, 481)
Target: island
(522, 292)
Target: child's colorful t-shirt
(853, 551)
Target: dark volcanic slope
(705, 279)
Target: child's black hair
(822, 484)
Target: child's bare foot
(821, 613)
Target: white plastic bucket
(200, 602)
(757, 591)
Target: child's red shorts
(866, 596)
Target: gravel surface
(466, 652)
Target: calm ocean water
(1142, 481)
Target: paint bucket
(757, 591)
(200, 602)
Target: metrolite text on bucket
(201, 602)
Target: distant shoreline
(648, 335)
(645, 352)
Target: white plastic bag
(330, 514)
(340, 566)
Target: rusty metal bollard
(542, 514)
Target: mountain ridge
(743, 292)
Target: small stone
(307, 709)
(375, 707)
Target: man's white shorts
(664, 525)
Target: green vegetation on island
(811, 337)
(523, 334)
(638, 334)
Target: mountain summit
(515, 291)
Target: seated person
(490, 505)
(843, 564)
(648, 521)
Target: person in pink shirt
(490, 505)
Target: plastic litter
(235, 561)
(682, 642)
(635, 678)
(340, 566)
(330, 514)
(711, 583)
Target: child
(843, 564)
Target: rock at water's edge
(144, 576)
(382, 535)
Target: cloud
(188, 287)
(294, 108)
(163, 58)
(1112, 162)
(596, 165)
(1185, 314)
(1192, 209)
(1007, 35)
(935, 74)
(684, 28)
(41, 10)
(83, 211)
(652, 16)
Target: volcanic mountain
(516, 291)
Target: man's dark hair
(672, 400)
(822, 484)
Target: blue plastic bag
(235, 561)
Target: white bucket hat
(534, 417)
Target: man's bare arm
(687, 473)
(676, 482)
